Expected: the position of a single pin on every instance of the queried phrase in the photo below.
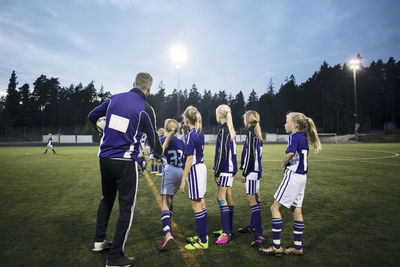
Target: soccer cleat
(159, 174)
(197, 245)
(247, 229)
(164, 241)
(271, 250)
(218, 232)
(223, 239)
(192, 239)
(258, 241)
(122, 261)
(100, 246)
(293, 251)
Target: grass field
(49, 204)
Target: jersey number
(176, 158)
(304, 159)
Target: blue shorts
(171, 179)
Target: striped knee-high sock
(201, 225)
(165, 221)
(256, 216)
(231, 211)
(276, 232)
(298, 228)
(225, 221)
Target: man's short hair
(143, 80)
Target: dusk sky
(231, 45)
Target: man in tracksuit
(128, 116)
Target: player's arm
(149, 128)
(188, 165)
(223, 153)
(98, 112)
(249, 162)
(285, 160)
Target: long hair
(194, 117)
(252, 118)
(171, 125)
(307, 126)
(224, 111)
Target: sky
(231, 45)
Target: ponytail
(229, 122)
(194, 117)
(257, 129)
(198, 124)
(306, 126)
(251, 117)
(224, 111)
(313, 135)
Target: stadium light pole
(355, 64)
(178, 56)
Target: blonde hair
(143, 80)
(194, 117)
(252, 118)
(224, 112)
(161, 132)
(306, 125)
(171, 125)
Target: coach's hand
(243, 179)
(217, 179)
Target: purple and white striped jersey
(225, 153)
(299, 147)
(173, 155)
(194, 145)
(252, 153)
(128, 115)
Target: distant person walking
(128, 115)
(50, 144)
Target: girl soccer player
(171, 176)
(50, 144)
(225, 167)
(251, 166)
(195, 172)
(291, 191)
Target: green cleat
(197, 245)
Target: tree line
(327, 97)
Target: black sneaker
(247, 229)
(122, 261)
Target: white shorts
(291, 191)
(50, 145)
(171, 179)
(225, 179)
(197, 181)
(252, 183)
(152, 156)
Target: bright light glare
(355, 63)
(178, 55)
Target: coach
(128, 116)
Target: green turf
(49, 204)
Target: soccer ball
(101, 123)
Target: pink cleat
(167, 237)
(223, 239)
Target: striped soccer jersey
(194, 145)
(173, 155)
(225, 153)
(298, 145)
(251, 155)
(128, 115)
